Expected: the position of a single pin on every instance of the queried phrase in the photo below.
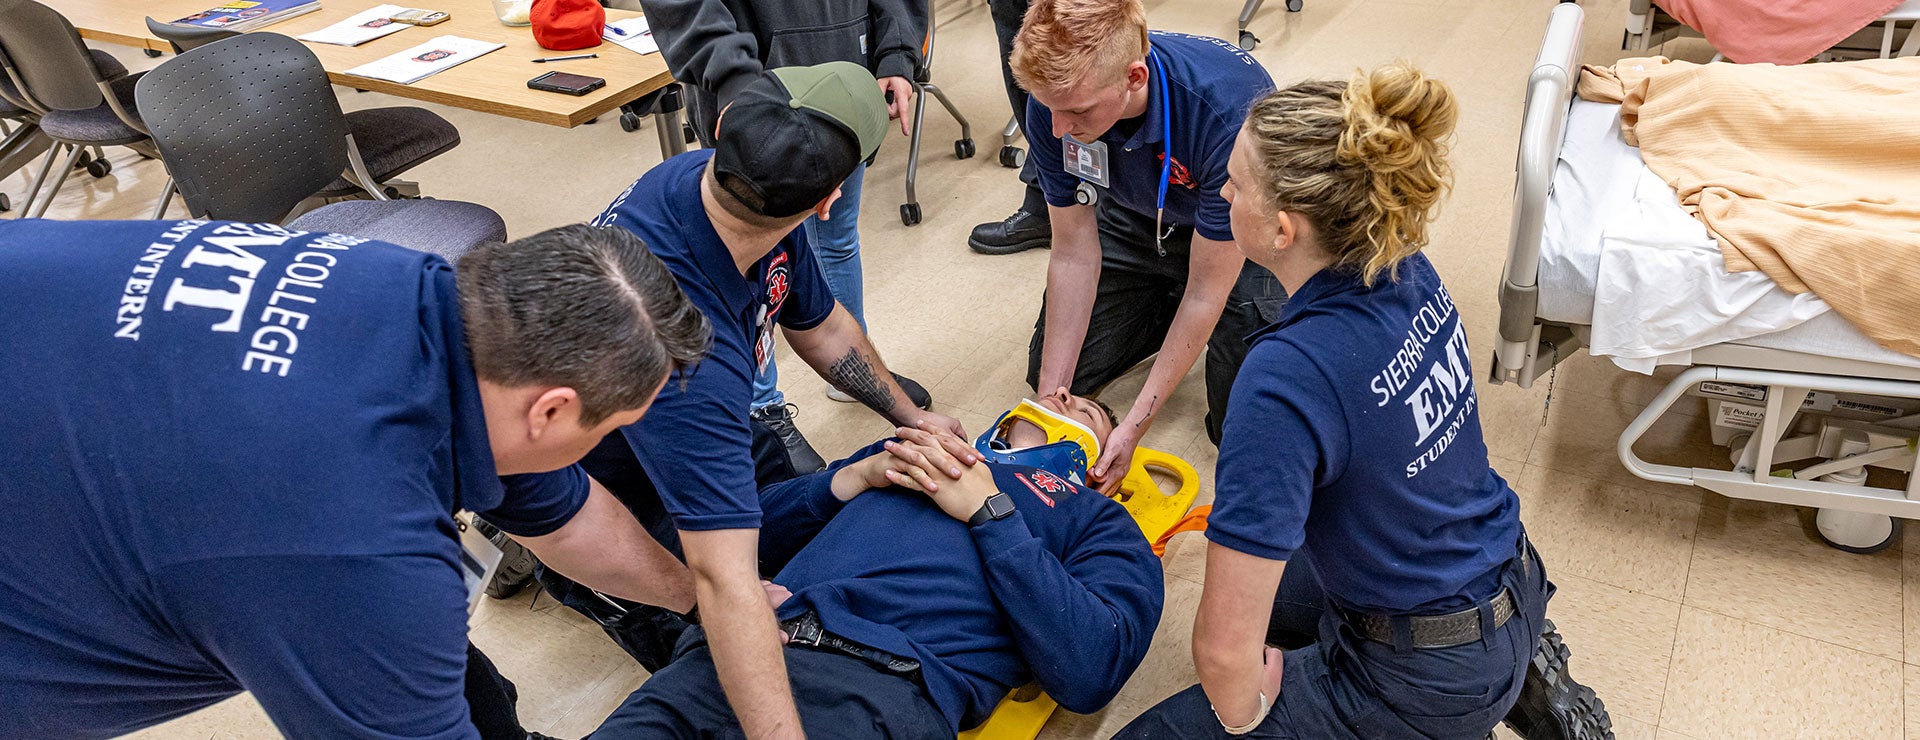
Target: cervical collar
(1069, 449)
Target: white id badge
(479, 559)
(1085, 161)
(762, 341)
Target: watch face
(1000, 505)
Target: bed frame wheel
(1855, 532)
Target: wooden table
(495, 83)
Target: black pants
(491, 699)
(648, 633)
(837, 695)
(1346, 686)
(1139, 293)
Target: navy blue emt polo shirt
(229, 461)
(695, 445)
(1353, 436)
(1211, 84)
(1065, 591)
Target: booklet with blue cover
(247, 15)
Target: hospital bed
(1805, 410)
(1648, 26)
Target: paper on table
(632, 34)
(425, 60)
(362, 27)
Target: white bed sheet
(1619, 254)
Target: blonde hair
(1062, 42)
(1363, 160)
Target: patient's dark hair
(583, 307)
(1112, 421)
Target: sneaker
(915, 392)
(516, 563)
(1020, 232)
(779, 418)
(1552, 705)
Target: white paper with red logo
(423, 61)
(373, 23)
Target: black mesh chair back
(53, 67)
(248, 126)
(185, 38)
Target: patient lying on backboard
(917, 602)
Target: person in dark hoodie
(920, 590)
(717, 47)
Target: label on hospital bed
(1731, 390)
(1740, 415)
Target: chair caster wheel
(963, 148)
(99, 168)
(687, 134)
(629, 122)
(153, 53)
(1293, 6)
(591, 121)
(910, 213)
(1012, 156)
(1248, 40)
(6, 203)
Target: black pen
(562, 59)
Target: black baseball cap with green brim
(794, 134)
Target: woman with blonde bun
(1358, 524)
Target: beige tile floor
(1694, 616)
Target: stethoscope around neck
(1086, 195)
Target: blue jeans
(1347, 686)
(836, 246)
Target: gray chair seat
(393, 140)
(444, 227)
(109, 68)
(97, 126)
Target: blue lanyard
(1166, 154)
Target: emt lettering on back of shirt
(232, 453)
(1354, 437)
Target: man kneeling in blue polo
(921, 597)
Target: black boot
(915, 392)
(1552, 705)
(1021, 231)
(516, 563)
(779, 418)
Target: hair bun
(1396, 118)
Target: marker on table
(562, 59)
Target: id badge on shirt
(1085, 161)
(762, 341)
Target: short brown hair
(584, 307)
(1364, 160)
(1063, 42)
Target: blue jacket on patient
(1065, 591)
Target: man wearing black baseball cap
(727, 223)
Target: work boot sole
(1552, 705)
(1041, 242)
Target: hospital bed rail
(1523, 339)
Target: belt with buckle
(1446, 630)
(805, 631)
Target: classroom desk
(495, 83)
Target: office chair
(251, 131)
(1247, 39)
(25, 141)
(923, 86)
(393, 139)
(80, 105)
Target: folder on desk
(426, 60)
(246, 15)
(373, 23)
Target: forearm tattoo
(854, 376)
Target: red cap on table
(567, 25)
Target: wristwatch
(997, 506)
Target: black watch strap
(997, 506)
